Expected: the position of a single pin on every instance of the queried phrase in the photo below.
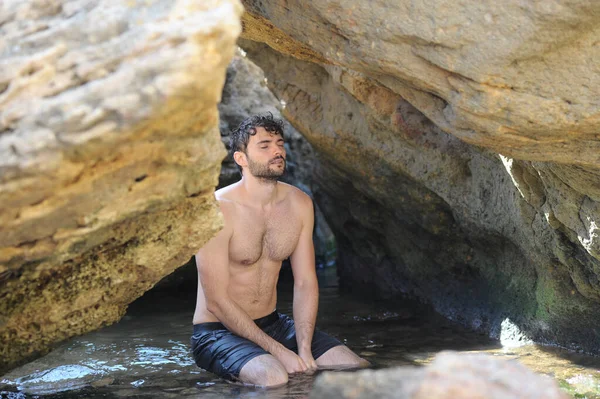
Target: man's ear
(240, 158)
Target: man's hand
(292, 362)
(307, 357)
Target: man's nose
(279, 151)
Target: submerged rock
(109, 154)
(457, 151)
(451, 375)
(66, 377)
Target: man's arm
(212, 261)
(306, 288)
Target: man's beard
(262, 171)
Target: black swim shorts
(218, 350)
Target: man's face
(266, 155)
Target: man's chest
(271, 236)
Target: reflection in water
(147, 353)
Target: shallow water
(147, 353)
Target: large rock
(450, 376)
(516, 77)
(109, 155)
(392, 95)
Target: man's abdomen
(253, 288)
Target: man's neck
(260, 191)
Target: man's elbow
(214, 306)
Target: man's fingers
(311, 366)
(298, 367)
(303, 364)
(310, 362)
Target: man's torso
(261, 240)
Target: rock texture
(458, 150)
(109, 154)
(450, 375)
(517, 78)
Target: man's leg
(341, 356)
(329, 352)
(232, 357)
(264, 370)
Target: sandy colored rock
(109, 155)
(516, 78)
(451, 375)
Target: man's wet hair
(240, 137)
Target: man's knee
(264, 370)
(341, 356)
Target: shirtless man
(238, 334)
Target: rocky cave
(452, 150)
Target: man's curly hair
(239, 138)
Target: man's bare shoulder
(227, 197)
(298, 197)
(228, 193)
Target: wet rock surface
(450, 375)
(452, 166)
(109, 154)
